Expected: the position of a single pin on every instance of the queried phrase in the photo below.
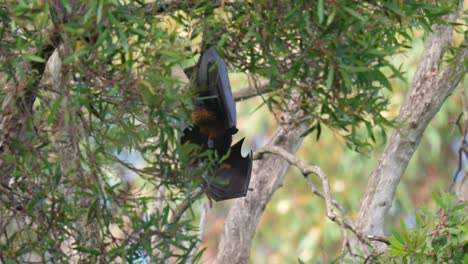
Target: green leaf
(99, 11)
(370, 132)
(353, 13)
(394, 8)
(79, 53)
(10, 261)
(139, 32)
(398, 237)
(92, 209)
(309, 130)
(331, 71)
(320, 11)
(404, 230)
(32, 57)
(347, 80)
(319, 131)
(53, 110)
(199, 255)
(331, 17)
(398, 252)
(438, 199)
(123, 39)
(378, 75)
(69, 59)
(89, 250)
(57, 178)
(23, 251)
(20, 9)
(394, 243)
(419, 219)
(354, 69)
(453, 231)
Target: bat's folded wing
(213, 74)
(232, 178)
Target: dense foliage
(91, 165)
(436, 237)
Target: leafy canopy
(120, 107)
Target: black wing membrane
(213, 93)
(213, 80)
(232, 178)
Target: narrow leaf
(331, 17)
(353, 13)
(397, 236)
(320, 11)
(437, 199)
(89, 250)
(53, 110)
(32, 57)
(331, 72)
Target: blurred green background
(294, 224)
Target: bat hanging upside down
(214, 122)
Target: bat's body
(214, 122)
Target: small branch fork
(344, 222)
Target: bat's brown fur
(225, 166)
(209, 122)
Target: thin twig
(184, 205)
(165, 6)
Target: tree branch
(176, 215)
(65, 133)
(184, 205)
(250, 91)
(267, 176)
(430, 88)
(306, 170)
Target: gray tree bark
(267, 175)
(430, 88)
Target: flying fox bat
(214, 121)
